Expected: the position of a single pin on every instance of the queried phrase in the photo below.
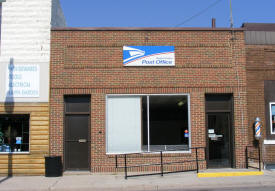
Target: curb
(223, 174)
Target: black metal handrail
(247, 157)
(161, 163)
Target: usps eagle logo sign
(148, 56)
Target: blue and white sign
(148, 56)
(22, 80)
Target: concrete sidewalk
(117, 182)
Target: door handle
(82, 140)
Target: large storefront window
(137, 123)
(272, 117)
(14, 133)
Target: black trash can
(53, 166)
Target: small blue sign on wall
(148, 55)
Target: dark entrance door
(219, 140)
(77, 133)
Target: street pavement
(265, 188)
(104, 182)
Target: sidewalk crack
(51, 187)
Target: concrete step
(73, 172)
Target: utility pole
(231, 17)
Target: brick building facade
(260, 56)
(209, 75)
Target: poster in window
(18, 140)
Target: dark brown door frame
(64, 127)
(231, 135)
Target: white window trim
(270, 117)
(143, 152)
(15, 153)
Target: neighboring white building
(25, 40)
(24, 83)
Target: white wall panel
(123, 124)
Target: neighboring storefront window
(14, 133)
(137, 123)
(272, 117)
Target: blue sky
(164, 13)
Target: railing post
(246, 157)
(259, 150)
(125, 165)
(161, 163)
(116, 161)
(197, 163)
(205, 157)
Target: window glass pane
(168, 122)
(14, 133)
(273, 118)
(123, 124)
(144, 124)
(131, 118)
(77, 103)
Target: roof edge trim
(144, 29)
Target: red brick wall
(90, 62)
(260, 67)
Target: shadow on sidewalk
(4, 179)
(9, 169)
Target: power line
(199, 13)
